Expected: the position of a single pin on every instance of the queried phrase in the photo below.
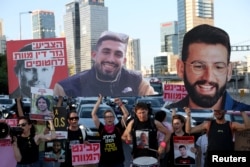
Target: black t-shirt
(74, 137)
(111, 145)
(186, 160)
(28, 149)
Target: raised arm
(246, 123)
(46, 137)
(195, 129)
(19, 107)
(126, 136)
(94, 111)
(124, 111)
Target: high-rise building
(2, 39)
(1, 27)
(192, 13)
(43, 24)
(93, 21)
(169, 37)
(133, 55)
(72, 36)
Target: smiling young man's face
(208, 85)
(109, 59)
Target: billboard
(35, 63)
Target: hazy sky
(138, 18)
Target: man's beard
(105, 75)
(205, 101)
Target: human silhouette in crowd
(76, 135)
(26, 146)
(31, 76)
(178, 123)
(184, 158)
(205, 68)
(108, 75)
(161, 116)
(201, 145)
(110, 134)
(219, 131)
(143, 122)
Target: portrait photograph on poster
(184, 150)
(35, 63)
(41, 104)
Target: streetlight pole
(20, 21)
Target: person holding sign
(178, 123)
(205, 68)
(76, 135)
(108, 75)
(110, 134)
(219, 131)
(26, 145)
(144, 123)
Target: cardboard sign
(83, 154)
(183, 150)
(35, 63)
(174, 92)
(242, 141)
(41, 104)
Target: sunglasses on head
(22, 125)
(74, 118)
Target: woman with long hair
(26, 145)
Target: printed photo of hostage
(34, 63)
(142, 137)
(55, 152)
(184, 158)
(205, 68)
(108, 76)
(42, 104)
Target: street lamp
(20, 22)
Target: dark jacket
(86, 84)
(228, 104)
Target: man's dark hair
(44, 98)
(205, 34)
(108, 35)
(182, 146)
(160, 115)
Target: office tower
(133, 55)
(43, 24)
(169, 37)
(93, 21)
(72, 36)
(1, 27)
(192, 13)
(2, 39)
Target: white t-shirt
(202, 143)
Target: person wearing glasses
(205, 68)
(76, 135)
(26, 146)
(110, 135)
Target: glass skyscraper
(192, 13)
(43, 24)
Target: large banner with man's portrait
(35, 63)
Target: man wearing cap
(107, 76)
